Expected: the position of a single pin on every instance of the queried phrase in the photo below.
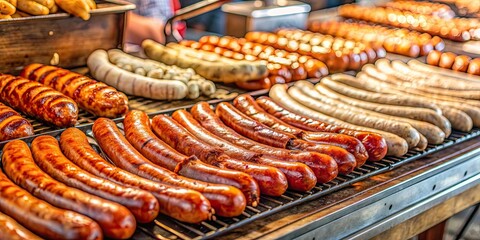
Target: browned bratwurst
(247, 105)
(50, 159)
(374, 143)
(35, 214)
(180, 203)
(93, 96)
(299, 176)
(323, 166)
(138, 130)
(257, 131)
(227, 201)
(12, 124)
(271, 181)
(12, 230)
(37, 100)
(116, 220)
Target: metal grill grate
(167, 228)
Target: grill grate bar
(172, 230)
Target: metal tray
(166, 228)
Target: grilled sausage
(36, 100)
(299, 176)
(95, 97)
(271, 181)
(247, 105)
(116, 220)
(37, 215)
(255, 130)
(174, 202)
(226, 200)
(324, 166)
(374, 144)
(12, 125)
(50, 159)
(12, 230)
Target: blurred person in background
(147, 21)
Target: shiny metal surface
(363, 210)
(243, 17)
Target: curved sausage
(95, 97)
(138, 130)
(226, 200)
(50, 159)
(37, 100)
(12, 230)
(12, 124)
(176, 138)
(174, 202)
(37, 215)
(255, 130)
(247, 105)
(116, 220)
(324, 167)
(299, 176)
(375, 144)
(270, 180)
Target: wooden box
(61, 39)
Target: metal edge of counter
(381, 205)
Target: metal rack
(166, 228)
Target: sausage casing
(35, 214)
(374, 143)
(37, 100)
(227, 201)
(174, 202)
(116, 221)
(247, 105)
(324, 166)
(270, 180)
(95, 97)
(12, 125)
(142, 204)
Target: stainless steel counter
(372, 206)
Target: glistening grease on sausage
(271, 181)
(299, 176)
(227, 201)
(174, 202)
(246, 104)
(324, 167)
(37, 215)
(95, 97)
(255, 130)
(374, 143)
(50, 159)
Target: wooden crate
(40, 39)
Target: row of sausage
(410, 105)
(189, 166)
(209, 161)
(53, 95)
